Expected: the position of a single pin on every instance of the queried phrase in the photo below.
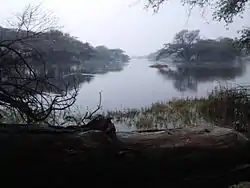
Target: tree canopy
(187, 46)
(61, 48)
(222, 10)
(35, 58)
(24, 89)
(225, 10)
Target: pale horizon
(125, 24)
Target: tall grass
(224, 106)
(172, 114)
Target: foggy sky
(125, 24)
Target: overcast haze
(124, 24)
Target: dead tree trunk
(197, 157)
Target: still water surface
(137, 85)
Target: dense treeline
(188, 46)
(62, 50)
(63, 54)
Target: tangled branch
(87, 117)
(24, 84)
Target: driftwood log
(207, 157)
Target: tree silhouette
(24, 89)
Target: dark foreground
(179, 158)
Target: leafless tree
(25, 89)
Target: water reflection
(75, 78)
(138, 86)
(188, 78)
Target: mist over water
(137, 85)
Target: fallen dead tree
(207, 157)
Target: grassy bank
(224, 106)
(44, 155)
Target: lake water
(137, 85)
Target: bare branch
(23, 87)
(98, 107)
(32, 22)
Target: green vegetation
(61, 51)
(187, 46)
(41, 67)
(24, 98)
(222, 10)
(224, 106)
